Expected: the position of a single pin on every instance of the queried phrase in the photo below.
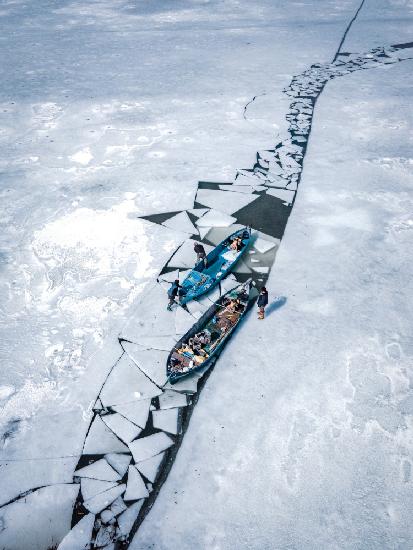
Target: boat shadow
(277, 303)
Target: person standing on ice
(200, 252)
(262, 302)
(173, 293)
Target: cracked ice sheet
(337, 448)
(40, 520)
(127, 383)
(15, 480)
(152, 362)
(150, 317)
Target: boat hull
(219, 262)
(206, 322)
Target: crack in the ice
(244, 113)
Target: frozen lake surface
(116, 115)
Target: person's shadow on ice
(278, 302)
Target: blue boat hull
(218, 263)
(174, 372)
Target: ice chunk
(101, 501)
(152, 362)
(188, 384)
(152, 445)
(128, 518)
(40, 520)
(136, 487)
(260, 269)
(198, 212)
(107, 515)
(263, 246)
(166, 420)
(181, 222)
(119, 462)
(248, 178)
(79, 537)
(150, 467)
(215, 218)
(118, 506)
(105, 536)
(98, 470)
(284, 194)
(92, 487)
(171, 399)
(203, 231)
(226, 201)
(124, 429)
(101, 439)
(127, 383)
(248, 189)
(137, 411)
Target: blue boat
(202, 344)
(208, 272)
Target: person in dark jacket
(200, 252)
(173, 293)
(262, 302)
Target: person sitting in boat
(200, 253)
(204, 337)
(186, 349)
(236, 244)
(172, 293)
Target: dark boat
(205, 340)
(208, 272)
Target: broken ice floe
(215, 218)
(127, 383)
(150, 467)
(102, 500)
(92, 487)
(80, 536)
(125, 430)
(136, 487)
(152, 445)
(98, 470)
(166, 420)
(136, 411)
